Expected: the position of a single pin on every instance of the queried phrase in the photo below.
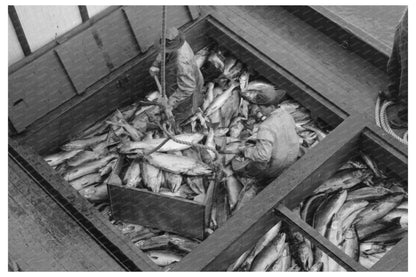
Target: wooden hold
(172, 214)
(396, 259)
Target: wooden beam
(396, 259)
(322, 243)
(14, 18)
(194, 11)
(84, 13)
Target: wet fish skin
(398, 215)
(320, 134)
(368, 230)
(178, 164)
(269, 254)
(351, 245)
(108, 168)
(349, 219)
(305, 255)
(264, 241)
(174, 181)
(163, 258)
(309, 207)
(216, 61)
(233, 187)
(82, 157)
(83, 143)
(284, 261)
(152, 176)
(132, 177)
(219, 101)
(95, 193)
(86, 181)
(58, 158)
(246, 194)
(344, 179)
(147, 145)
(201, 56)
(236, 127)
(88, 168)
(372, 165)
(316, 267)
(378, 210)
(390, 236)
(234, 266)
(368, 193)
(196, 184)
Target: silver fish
(132, 177)
(88, 168)
(368, 193)
(269, 254)
(236, 127)
(378, 210)
(108, 168)
(284, 261)
(86, 181)
(220, 100)
(152, 176)
(163, 258)
(216, 61)
(58, 158)
(401, 215)
(344, 179)
(95, 193)
(305, 255)
(83, 143)
(82, 157)
(178, 164)
(348, 221)
(201, 56)
(316, 267)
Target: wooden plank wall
(40, 86)
(15, 50)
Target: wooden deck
(42, 237)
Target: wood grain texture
(396, 259)
(42, 237)
(83, 212)
(163, 212)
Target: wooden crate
(276, 201)
(244, 228)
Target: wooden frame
(244, 228)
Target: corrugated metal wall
(42, 24)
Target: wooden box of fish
(168, 191)
(351, 204)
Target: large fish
(163, 258)
(173, 180)
(178, 164)
(58, 158)
(397, 215)
(132, 177)
(134, 133)
(215, 59)
(372, 165)
(246, 194)
(220, 100)
(283, 263)
(236, 127)
(389, 236)
(208, 156)
(378, 210)
(349, 207)
(95, 193)
(229, 109)
(233, 187)
(196, 184)
(368, 193)
(316, 267)
(403, 205)
(349, 219)
(82, 157)
(368, 230)
(108, 168)
(209, 97)
(265, 240)
(152, 176)
(86, 181)
(305, 255)
(234, 266)
(83, 143)
(310, 205)
(269, 254)
(351, 246)
(201, 56)
(88, 168)
(147, 145)
(256, 88)
(344, 179)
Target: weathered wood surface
(396, 259)
(242, 230)
(166, 213)
(42, 237)
(318, 240)
(339, 75)
(83, 212)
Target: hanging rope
(163, 73)
(382, 120)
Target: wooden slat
(84, 13)
(42, 237)
(194, 11)
(396, 259)
(19, 31)
(226, 244)
(322, 243)
(83, 212)
(166, 213)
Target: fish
(301, 115)
(182, 244)
(201, 56)
(234, 71)
(83, 143)
(178, 164)
(132, 177)
(95, 193)
(344, 179)
(59, 158)
(389, 236)
(316, 267)
(349, 207)
(209, 96)
(236, 127)
(208, 156)
(88, 168)
(368, 230)
(220, 132)
(403, 205)
(269, 254)
(152, 176)
(366, 261)
(229, 109)
(235, 266)
(294, 268)
(173, 180)
(284, 261)
(351, 245)
(334, 235)
(372, 165)
(85, 181)
(349, 219)
(368, 193)
(82, 157)
(246, 194)
(196, 184)
(305, 255)
(233, 187)
(264, 241)
(134, 133)
(163, 258)
(107, 168)
(397, 215)
(320, 134)
(154, 243)
(244, 80)
(230, 148)
(219, 101)
(151, 96)
(243, 108)
(378, 210)
(371, 248)
(215, 60)
(327, 209)
(309, 207)
(147, 145)
(97, 128)
(184, 192)
(228, 64)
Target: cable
(163, 76)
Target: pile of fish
(226, 120)
(358, 209)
